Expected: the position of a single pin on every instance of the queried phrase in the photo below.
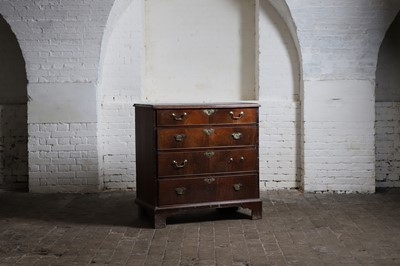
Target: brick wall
(387, 144)
(332, 106)
(60, 40)
(279, 145)
(279, 89)
(121, 86)
(13, 112)
(387, 109)
(339, 43)
(13, 146)
(63, 157)
(61, 44)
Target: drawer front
(207, 189)
(209, 161)
(201, 137)
(181, 117)
(206, 116)
(235, 116)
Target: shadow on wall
(387, 109)
(13, 112)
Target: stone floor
(297, 229)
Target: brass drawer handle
(232, 114)
(209, 180)
(180, 190)
(177, 166)
(237, 186)
(209, 112)
(208, 131)
(178, 117)
(231, 159)
(236, 135)
(180, 137)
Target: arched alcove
(119, 88)
(387, 109)
(200, 51)
(13, 112)
(123, 74)
(279, 96)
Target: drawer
(207, 189)
(200, 137)
(206, 116)
(209, 161)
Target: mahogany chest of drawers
(196, 156)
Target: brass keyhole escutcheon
(209, 112)
(208, 131)
(180, 137)
(209, 154)
(209, 180)
(236, 135)
(237, 187)
(180, 190)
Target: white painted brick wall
(279, 89)
(338, 40)
(13, 146)
(387, 110)
(387, 144)
(279, 145)
(341, 39)
(63, 157)
(121, 88)
(339, 136)
(60, 39)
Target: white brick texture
(341, 39)
(60, 40)
(316, 88)
(338, 153)
(387, 110)
(63, 157)
(279, 145)
(121, 86)
(387, 148)
(13, 146)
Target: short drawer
(198, 137)
(208, 161)
(206, 116)
(207, 189)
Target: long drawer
(176, 117)
(208, 161)
(198, 137)
(207, 189)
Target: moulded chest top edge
(200, 105)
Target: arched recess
(280, 85)
(279, 94)
(387, 109)
(120, 82)
(13, 112)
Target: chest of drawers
(196, 156)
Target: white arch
(387, 109)
(279, 96)
(119, 87)
(117, 9)
(13, 110)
